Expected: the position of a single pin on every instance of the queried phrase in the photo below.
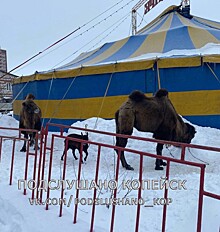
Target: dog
(73, 145)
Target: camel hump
(137, 96)
(30, 96)
(161, 93)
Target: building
(3, 60)
(6, 79)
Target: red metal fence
(40, 160)
(28, 153)
(182, 160)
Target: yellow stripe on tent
(196, 33)
(109, 52)
(151, 43)
(82, 56)
(157, 19)
(205, 102)
(110, 68)
(187, 22)
(180, 62)
(212, 59)
(76, 108)
(150, 26)
(209, 22)
(186, 103)
(122, 67)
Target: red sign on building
(150, 4)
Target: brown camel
(30, 118)
(151, 114)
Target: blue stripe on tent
(210, 120)
(77, 59)
(152, 29)
(100, 51)
(127, 50)
(205, 24)
(174, 79)
(89, 86)
(178, 36)
(190, 79)
(214, 31)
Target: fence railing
(40, 160)
(141, 154)
(28, 153)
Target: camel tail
(137, 96)
(161, 93)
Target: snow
(18, 215)
(206, 50)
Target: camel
(30, 118)
(151, 114)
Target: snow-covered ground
(17, 214)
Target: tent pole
(158, 75)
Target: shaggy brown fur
(30, 118)
(151, 114)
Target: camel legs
(32, 139)
(124, 125)
(24, 149)
(159, 162)
(122, 142)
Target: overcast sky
(27, 27)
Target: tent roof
(169, 36)
(169, 31)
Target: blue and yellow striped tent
(175, 51)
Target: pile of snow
(17, 214)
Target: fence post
(77, 189)
(64, 175)
(50, 170)
(12, 161)
(40, 161)
(139, 193)
(165, 197)
(0, 148)
(200, 203)
(115, 191)
(95, 190)
(44, 157)
(26, 165)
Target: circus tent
(169, 31)
(176, 51)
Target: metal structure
(148, 6)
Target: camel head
(189, 134)
(184, 132)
